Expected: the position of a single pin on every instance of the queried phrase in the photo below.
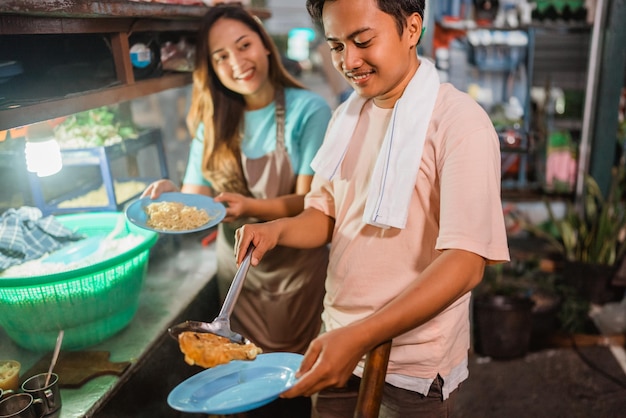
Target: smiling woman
(239, 60)
(256, 131)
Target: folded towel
(25, 235)
(396, 168)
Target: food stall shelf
(101, 158)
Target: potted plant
(590, 242)
(591, 238)
(502, 314)
(595, 233)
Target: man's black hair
(398, 9)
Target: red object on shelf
(209, 238)
(444, 35)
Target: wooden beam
(90, 9)
(121, 57)
(20, 116)
(15, 24)
(109, 8)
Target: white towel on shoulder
(396, 168)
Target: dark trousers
(396, 403)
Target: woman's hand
(329, 361)
(155, 189)
(236, 205)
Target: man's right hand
(310, 229)
(264, 237)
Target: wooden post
(121, 57)
(371, 389)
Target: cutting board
(74, 368)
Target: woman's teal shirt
(307, 116)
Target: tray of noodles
(176, 213)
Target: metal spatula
(221, 324)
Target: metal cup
(19, 405)
(49, 394)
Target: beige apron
(280, 305)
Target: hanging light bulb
(43, 154)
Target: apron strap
(280, 116)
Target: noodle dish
(176, 213)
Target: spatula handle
(236, 286)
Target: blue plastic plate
(135, 212)
(238, 386)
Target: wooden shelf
(106, 9)
(116, 20)
(44, 110)
(11, 24)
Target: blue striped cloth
(26, 235)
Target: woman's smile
(246, 75)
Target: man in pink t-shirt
(407, 193)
